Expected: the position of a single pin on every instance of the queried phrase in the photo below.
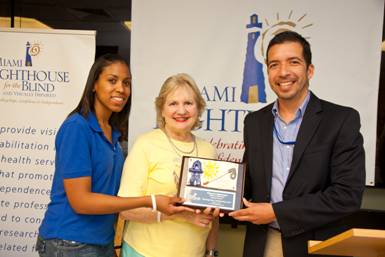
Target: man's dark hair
(291, 36)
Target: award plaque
(211, 183)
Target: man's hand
(257, 213)
(167, 204)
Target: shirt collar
(94, 124)
(301, 110)
(91, 118)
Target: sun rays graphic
(211, 170)
(279, 24)
(35, 48)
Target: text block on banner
(42, 76)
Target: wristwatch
(212, 252)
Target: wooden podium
(354, 242)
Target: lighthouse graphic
(196, 172)
(253, 85)
(28, 58)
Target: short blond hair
(170, 85)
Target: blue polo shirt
(82, 150)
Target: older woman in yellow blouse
(153, 167)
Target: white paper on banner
(42, 76)
(222, 44)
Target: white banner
(221, 45)
(42, 76)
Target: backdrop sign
(222, 45)
(42, 76)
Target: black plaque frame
(214, 183)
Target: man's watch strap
(212, 252)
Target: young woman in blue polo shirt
(81, 214)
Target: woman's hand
(199, 219)
(168, 205)
(215, 212)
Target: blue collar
(94, 124)
(300, 112)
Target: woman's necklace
(178, 151)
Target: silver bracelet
(212, 252)
(153, 201)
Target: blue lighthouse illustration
(28, 58)
(196, 170)
(253, 85)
